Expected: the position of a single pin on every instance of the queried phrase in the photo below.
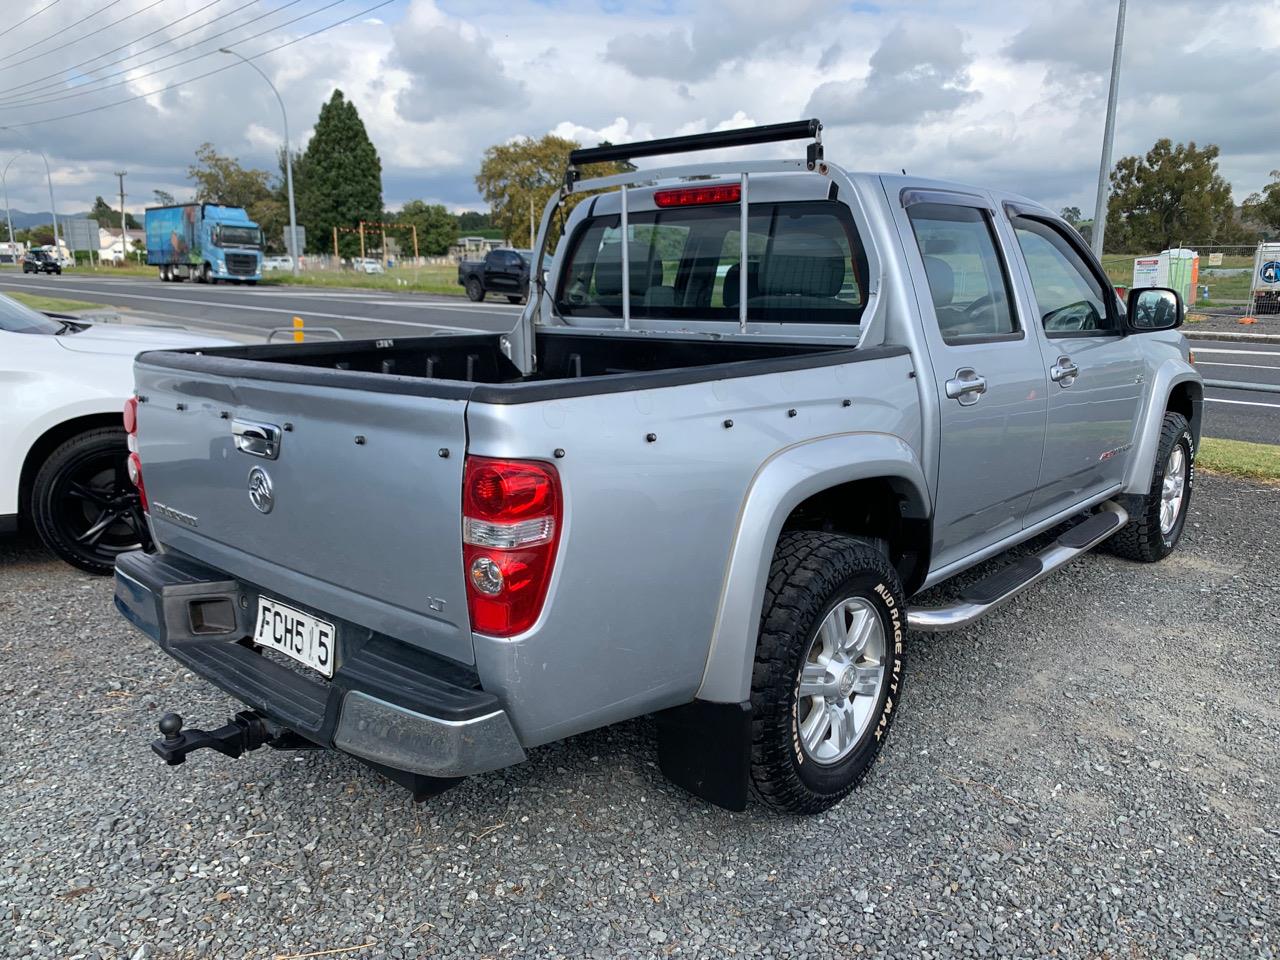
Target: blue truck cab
(205, 242)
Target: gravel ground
(1093, 772)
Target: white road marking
(1247, 353)
(282, 310)
(1243, 366)
(1242, 403)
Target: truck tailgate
(364, 518)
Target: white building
(110, 248)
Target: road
(1240, 414)
(252, 312)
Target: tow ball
(248, 730)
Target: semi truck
(205, 242)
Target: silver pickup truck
(751, 411)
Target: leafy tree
(1264, 206)
(437, 227)
(38, 236)
(472, 220)
(221, 179)
(338, 180)
(519, 177)
(1072, 215)
(164, 198)
(1170, 196)
(107, 217)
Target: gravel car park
(1094, 771)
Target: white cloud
(1005, 93)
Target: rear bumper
(388, 703)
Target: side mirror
(1153, 308)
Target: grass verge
(1239, 458)
(54, 304)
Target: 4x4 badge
(260, 492)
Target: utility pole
(124, 221)
(531, 241)
(1108, 134)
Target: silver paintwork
(1173, 489)
(840, 680)
(665, 547)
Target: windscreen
(16, 318)
(805, 264)
(239, 236)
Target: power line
(202, 76)
(70, 43)
(28, 19)
(41, 101)
(13, 98)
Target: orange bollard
(297, 330)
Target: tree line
(1175, 195)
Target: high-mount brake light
(696, 196)
(511, 518)
(134, 463)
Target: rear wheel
(1157, 520)
(475, 290)
(84, 506)
(828, 670)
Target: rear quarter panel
(650, 525)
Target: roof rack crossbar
(715, 140)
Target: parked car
(63, 457)
(272, 264)
(38, 261)
(503, 272)
(710, 496)
(367, 265)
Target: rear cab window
(805, 264)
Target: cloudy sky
(1004, 93)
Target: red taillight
(135, 462)
(693, 196)
(511, 514)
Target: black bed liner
(473, 366)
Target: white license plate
(307, 639)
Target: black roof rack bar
(716, 140)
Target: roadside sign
(1147, 272)
(298, 244)
(1215, 259)
(80, 234)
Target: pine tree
(338, 180)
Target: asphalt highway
(251, 313)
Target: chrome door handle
(966, 386)
(256, 439)
(1064, 372)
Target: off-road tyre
(1141, 538)
(812, 572)
(60, 516)
(475, 290)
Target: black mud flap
(706, 748)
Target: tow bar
(248, 730)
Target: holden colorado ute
(751, 411)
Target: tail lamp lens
(697, 196)
(134, 461)
(512, 513)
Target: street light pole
(4, 182)
(292, 248)
(53, 209)
(1104, 167)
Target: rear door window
(805, 264)
(967, 277)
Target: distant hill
(25, 221)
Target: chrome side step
(997, 589)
